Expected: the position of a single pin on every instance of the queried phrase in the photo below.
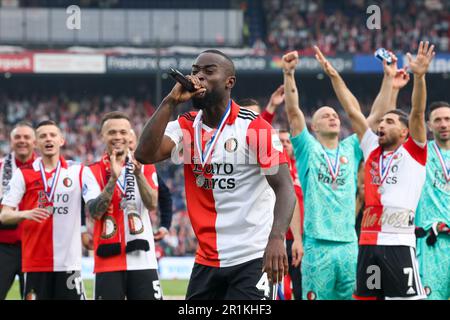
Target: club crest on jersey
(109, 228)
(67, 182)
(311, 295)
(135, 223)
(343, 160)
(231, 145)
(398, 156)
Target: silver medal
(200, 180)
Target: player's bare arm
(153, 145)
(148, 195)
(99, 206)
(419, 67)
(297, 245)
(9, 215)
(382, 104)
(295, 116)
(275, 258)
(344, 95)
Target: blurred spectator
(340, 26)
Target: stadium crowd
(340, 26)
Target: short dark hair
(436, 105)
(402, 116)
(46, 123)
(284, 130)
(247, 102)
(114, 115)
(220, 53)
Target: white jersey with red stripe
(391, 195)
(54, 244)
(231, 208)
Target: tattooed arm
(99, 206)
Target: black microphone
(180, 78)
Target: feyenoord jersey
(434, 204)
(229, 200)
(54, 244)
(329, 212)
(393, 184)
(135, 260)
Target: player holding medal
(48, 196)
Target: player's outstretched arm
(275, 261)
(276, 99)
(393, 81)
(381, 104)
(295, 116)
(344, 95)
(153, 145)
(419, 67)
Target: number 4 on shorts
(263, 285)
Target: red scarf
(111, 236)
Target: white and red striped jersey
(231, 206)
(393, 185)
(54, 244)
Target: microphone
(180, 78)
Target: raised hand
(277, 96)
(137, 165)
(390, 70)
(326, 65)
(116, 165)
(289, 61)
(419, 66)
(401, 78)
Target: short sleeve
(265, 143)
(14, 191)
(416, 150)
(174, 132)
(369, 142)
(90, 188)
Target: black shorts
(130, 285)
(388, 272)
(241, 282)
(54, 285)
(10, 266)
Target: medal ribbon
(212, 143)
(49, 195)
(441, 160)
(384, 169)
(333, 167)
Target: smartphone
(383, 54)
(180, 78)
